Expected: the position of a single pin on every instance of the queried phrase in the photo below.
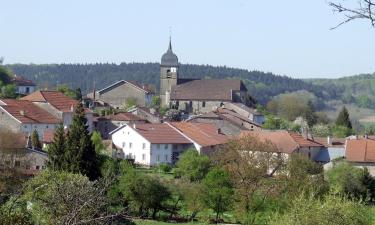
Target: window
(37, 167)
(27, 89)
(144, 146)
(123, 144)
(157, 158)
(47, 126)
(174, 147)
(158, 146)
(203, 104)
(166, 146)
(166, 157)
(17, 164)
(130, 145)
(143, 156)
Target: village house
(118, 93)
(23, 86)
(205, 137)
(149, 144)
(149, 114)
(229, 122)
(360, 152)
(252, 114)
(59, 105)
(195, 95)
(105, 124)
(21, 116)
(288, 142)
(334, 149)
(22, 157)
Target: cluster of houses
(215, 110)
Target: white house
(150, 144)
(23, 86)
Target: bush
(164, 167)
(192, 166)
(331, 210)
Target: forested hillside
(263, 86)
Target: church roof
(169, 58)
(219, 90)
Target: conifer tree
(56, 149)
(310, 115)
(80, 151)
(343, 118)
(35, 140)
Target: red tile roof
(205, 134)
(57, 99)
(49, 134)
(160, 134)
(27, 112)
(362, 150)
(285, 141)
(21, 81)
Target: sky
(289, 37)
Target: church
(195, 95)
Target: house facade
(59, 105)
(105, 124)
(149, 144)
(23, 86)
(205, 137)
(288, 142)
(22, 116)
(117, 93)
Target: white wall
(133, 145)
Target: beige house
(117, 94)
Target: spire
(170, 39)
(170, 43)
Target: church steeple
(168, 74)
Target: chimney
(134, 126)
(219, 131)
(22, 113)
(329, 140)
(366, 136)
(72, 108)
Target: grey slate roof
(220, 90)
(169, 58)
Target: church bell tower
(168, 74)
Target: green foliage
(35, 142)
(65, 198)
(164, 168)
(144, 192)
(97, 140)
(343, 118)
(8, 91)
(14, 212)
(5, 76)
(130, 103)
(56, 150)
(364, 101)
(155, 101)
(63, 88)
(192, 166)
(218, 192)
(347, 179)
(309, 114)
(321, 130)
(341, 131)
(193, 198)
(275, 123)
(80, 155)
(308, 210)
